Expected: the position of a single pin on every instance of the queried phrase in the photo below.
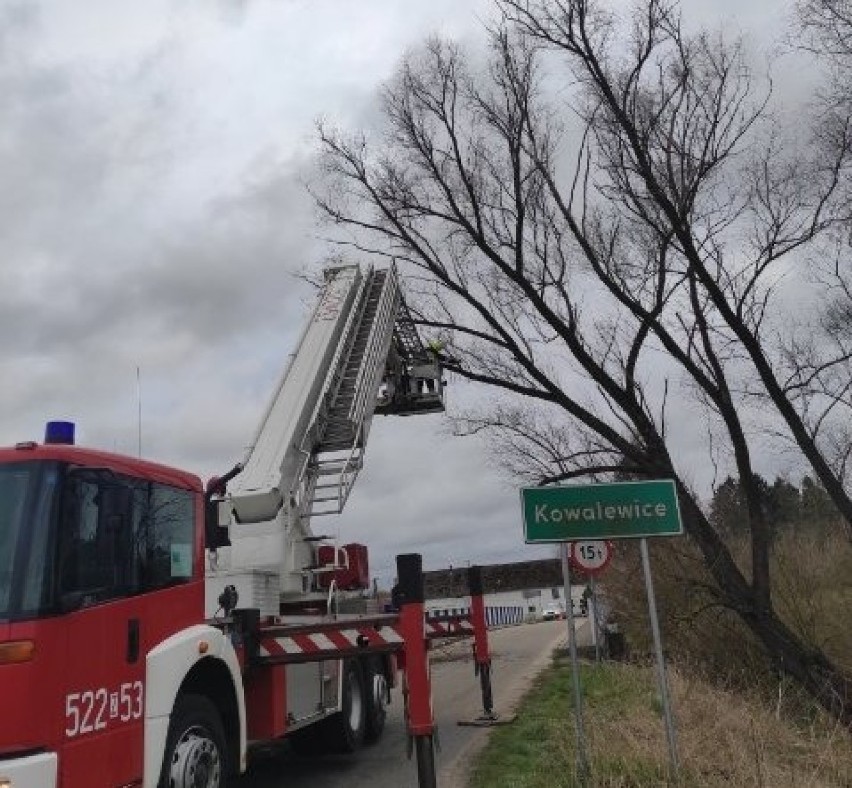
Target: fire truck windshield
(28, 494)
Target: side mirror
(215, 536)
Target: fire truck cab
(102, 568)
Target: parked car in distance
(551, 611)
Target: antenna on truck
(139, 410)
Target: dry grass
(812, 576)
(724, 738)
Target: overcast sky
(153, 217)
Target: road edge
(457, 772)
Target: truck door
(104, 668)
(129, 576)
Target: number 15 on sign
(591, 557)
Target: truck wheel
(346, 729)
(196, 754)
(376, 697)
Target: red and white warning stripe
(453, 627)
(329, 641)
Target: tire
(196, 750)
(375, 698)
(345, 730)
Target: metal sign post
(582, 757)
(661, 665)
(593, 617)
(592, 558)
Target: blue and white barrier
(504, 615)
(495, 615)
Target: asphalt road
(518, 654)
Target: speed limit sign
(591, 557)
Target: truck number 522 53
(93, 710)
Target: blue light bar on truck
(59, 432)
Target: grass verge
(724, 738)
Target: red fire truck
(151, 627)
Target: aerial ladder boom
(310, 444)
(278, 455)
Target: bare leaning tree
(599, 222)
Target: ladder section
(275, 462)
(344, 425)
(353, 401)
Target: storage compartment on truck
(351, 570)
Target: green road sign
(600, 511)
